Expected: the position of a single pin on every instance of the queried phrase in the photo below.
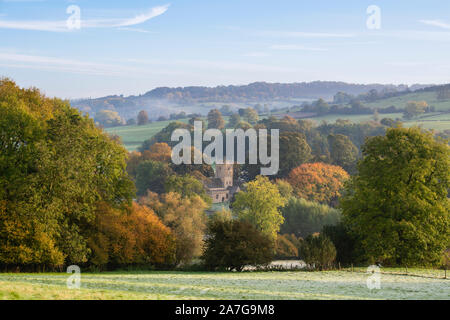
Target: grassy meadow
(241, 286)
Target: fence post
(352, 267)
(445, 273)
(406, 268)
(339, 266)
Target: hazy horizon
(133, 47)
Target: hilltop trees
(108, 118)
(398, 204)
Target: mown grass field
(240, 286)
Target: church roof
(214, 183)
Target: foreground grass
(198, 285)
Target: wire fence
(405, 271)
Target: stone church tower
(225, 173)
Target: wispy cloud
(256, 54)
(299, 34)
(61, 26)
(436, 23)
(294, 47)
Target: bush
(318, 252)
(345, 243)
(285, 249)
(234, 244)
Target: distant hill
(436, 96)
(163, 101)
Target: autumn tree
(259, 204)
(55, 167)
(142, 118)
(398, 204)
(215, 120)
(318, 182)
(108, 118)
(185, 217)
(134, 237)
(251, 116)
(158, 152)
(415, 108)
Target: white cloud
(298, 34)
(61, 26)
(436, 23)
(294, 47)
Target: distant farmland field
(239, 286)
(133, 136)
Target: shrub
(318, 252)
(344, 242)
(234, 244)
(285, 249)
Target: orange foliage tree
(186, 218)
(318, 182)
(136, 237)
(158, 152)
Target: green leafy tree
(259, 204)
(398, 204)
(56, 166)
(152, 175)
(343, 152)
(294, 151)
(187, 186)
(303, 217)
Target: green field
(401, 101)
(240, 286)
(133, 136)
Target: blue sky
(130, 47)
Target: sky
(92, 48)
